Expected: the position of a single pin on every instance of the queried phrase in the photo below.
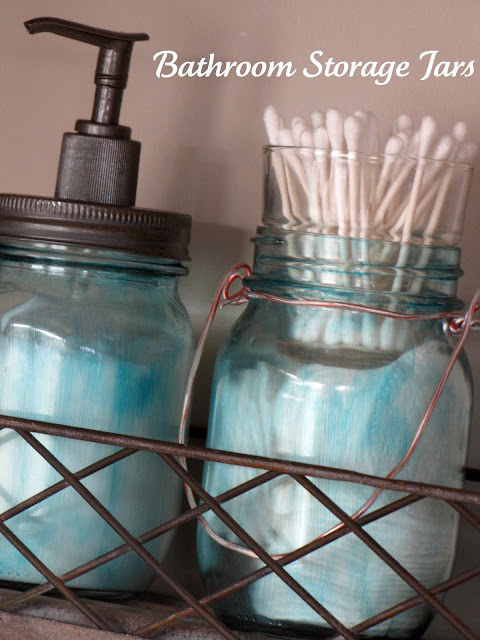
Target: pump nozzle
(111, 73)
(94, 203)
(100, 163)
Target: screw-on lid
(98, 169)
(156, 233)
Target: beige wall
(202, 137)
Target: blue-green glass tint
(100, 340)
(345, 389)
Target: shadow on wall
(214, 249)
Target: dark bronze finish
(95, 193)
(111, 73)
(145, 231)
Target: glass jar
(345, 389)
(93, 338)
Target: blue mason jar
(92, 334)
(345, 389)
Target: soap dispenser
(93, 334)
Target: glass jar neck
(61, 258)
(400, 277)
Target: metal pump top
(95, 194)
(111, 74)
(100, 163)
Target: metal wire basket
(192, 618)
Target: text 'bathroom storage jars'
(93, 334)
(342, 388)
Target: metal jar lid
(146, 231)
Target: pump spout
(99, 163)
(111, 74)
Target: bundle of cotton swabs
(329, 174)
(335, 177)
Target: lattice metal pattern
(300, 472)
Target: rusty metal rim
(257, 462)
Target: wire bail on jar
(457, 324)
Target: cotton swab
(400, 173)
(393, 148)
(332, 179)
(286, 139)
(353, 137)
(372, 148)
(385, 205)
(437, 192)
(402, 123)
(321, 139)
(369, 147)
(334, 125)
(295, 173)
(459, 131)
(427, 132)
(273, 124)
(299, 125)
(308, 156)
(407, 144)
(317, 118)
(321, 142)
(441, 153)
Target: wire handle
(458, 325)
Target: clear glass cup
(379, 197)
